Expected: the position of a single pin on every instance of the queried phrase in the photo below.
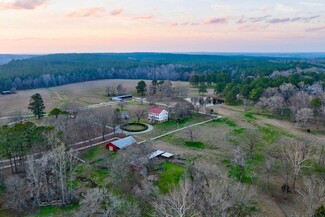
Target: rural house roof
(156, 110)
(122, 143)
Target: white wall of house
(163, 116)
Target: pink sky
(51, 26)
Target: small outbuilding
(160, 153)
(122, 97)
(6, 92)
(121, 143)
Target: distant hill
(6, 58)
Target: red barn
(121, 143)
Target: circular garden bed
(134, 127)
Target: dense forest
(59, 69)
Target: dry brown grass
(83, 93)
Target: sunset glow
(48, 26)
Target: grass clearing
(272, 133)
(170, 176)
(195, 144)
(230, 123)
(92, 153)
(237, 132)
(234, 172)
(53, 211)
(250, 116)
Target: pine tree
(36, 105)
(142, 87)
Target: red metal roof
(156, 110)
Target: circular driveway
(150, 128)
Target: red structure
(112, 147)
(121, 143)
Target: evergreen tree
(142, 87)
(203, 88)
(36, 105)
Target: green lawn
(195, 144)
(53, 211)
(230, 123)
(170, 176)
(272, 133)
(250, 116)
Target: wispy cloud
(216, 20)
(311, 4)
(23, 4)
(279, 20)
(222, 7)
(285, 8)
(253, 19)
(116, 11)
(292, 20)
(88, 12)
(184, 24)
(316, 29)
(143, 17)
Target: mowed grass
(170, 176)
(250, 116)
(164, 127)
(271, 134)
(227, 121)
(53, 211)
(195, 144)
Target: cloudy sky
(49, 26)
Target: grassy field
(84, 93)
(169, 176)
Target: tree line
(59, 69)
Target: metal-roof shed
(123, 143)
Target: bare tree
(239, 159)
(64, 166)
(179, 202)
(313, 194)
(84, 126)
(101, 202)
(122, 173)
(110, 90)
(296, 153)
(102, 117)
(321, 159)
(252, 139)
(15, 197)
(304, 116)
(207, 193)
(268, 168)
(181, 91)
(121, 104)
(190, 133)
(183, 109)
(120, 89)
(115, 120)
(139, 113)
(291, 156)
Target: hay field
(84, 93)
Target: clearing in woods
(84, 93)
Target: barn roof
(122, 143)
(167, 155)
(156, 110)
(155, 154)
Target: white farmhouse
(157, 114)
